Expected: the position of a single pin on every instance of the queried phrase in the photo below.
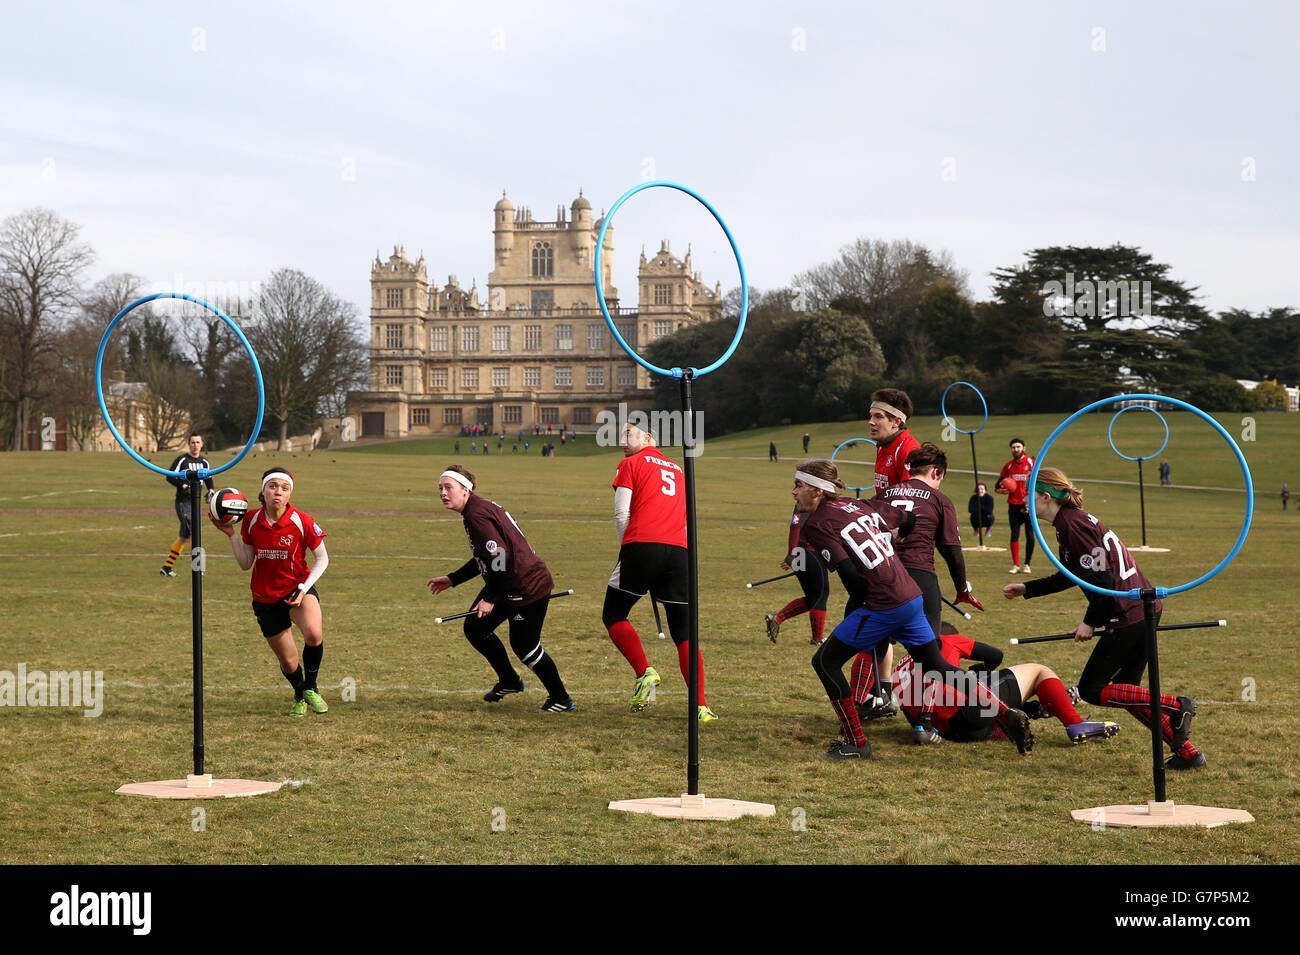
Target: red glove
(966, 597)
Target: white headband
(888, 409)
(813, 481)
(458, 478)
(282, 475)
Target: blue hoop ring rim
(604, 306)
(203, 473)
(1148, 457)
(943, 410)
(1161, 592)
(842, 444)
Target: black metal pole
(1153, 662)
(979, 518)
(693, 596)
(1142, 502)
(197, 561)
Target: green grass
(418, 768)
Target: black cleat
(842, 750)
(773, 626)
(1183, 762)
(1181, 723)
(1034, 710)
(501, 691)
(878, 708)
(1016, 725)
(553, 705)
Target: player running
(1113, 674)
(812, 577)
(1011, 482)
(855, 538)
(650, 516)
(191, 458)
(272, 542)
(516, 585)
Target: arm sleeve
(172, 480)
(851, 581)
(986, 657)
(318, 566)
(466, 571)
(956, 561)
(1099, 605)
(622, 510)
(1043, 586)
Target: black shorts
(274, 618)
(183, 512)
(660, 569)
(972, 722)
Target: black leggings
(829, 660)
(814, 581)
(1018, 517)
(931, 595)
(619, 603)
(525, 633)
(1120, 656)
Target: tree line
(1063, 328)
(310, 345)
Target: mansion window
(532, 377)
(393, 375)
(563, 376)
(512, 414)
(500, 377)
(582, 416)
(550, 415)
(532, 338)
(662, 328)
(440, 338)
(469, 379)
(627, 376)
(392, 336)
(501, 338)
(595, 337)
(419, 416)
(663, 295)
(393, 297)
(469, 338)
(437, 377)
(451, 416)
(596, 376)
(543, 261)
(628, 331)
(564, 338)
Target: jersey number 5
(670, 482)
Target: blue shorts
(864, 629)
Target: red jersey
(280, 563)
(907, 688)
(658, 512)
(845, 529)
(1018, 471)
(936, 522)
(891, 459)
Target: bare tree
(41, 260)
(309, 345)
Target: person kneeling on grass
(272, 542)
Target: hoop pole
(198, 561)
(693, 594)
(1154, 710)
(1142, 503)
(976, 489)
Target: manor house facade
(537, 352)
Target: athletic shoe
(1082, 732)
(814, 642)
(1014, 569)
(1025, 569)
(643, 692)
(501, 691)
(299, 708)
(773, 626)
(168, 572)
(1182, 762)
(842, 750)
(925, 735)
(1034, 710)
(1073, 693)
(1181, 722)
(878, 708)
(1016, 725)
(553, 705)
(706, 715)
(315, 701)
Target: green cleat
(299, 708)
(706, 715)
(315, 701)
(643, 693)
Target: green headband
(1052, 491)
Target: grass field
(418, 770)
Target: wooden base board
(198, 788)
(1150, 550)
(1158, 814)
(693, 807)
(977, 548)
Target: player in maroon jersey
(650, 516)
(516, 585)
(811, 574)
(272, 542)
(855, 539)
(1113, 674)
(1017, 471)
(952, 715)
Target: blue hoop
(848, 442)
(203, 473)
(1111, 426)
(1161, 592)
(600, 286)
(943, 410)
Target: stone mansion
(537, 351)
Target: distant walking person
(771, 451)
(1286, 496)
(806, 438)
(1164, 474)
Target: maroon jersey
(1093, 552)
(795, 523)
(891, 459)
(936, 522)
(510, 569)
(846, 529)
(1019, 472)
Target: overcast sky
(214, 142)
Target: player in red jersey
(811, 574)
(856, 539)
(516, 587)
(273, 541)
(952, 715)
(1113, 674)
(650, 516)
(1017, 470)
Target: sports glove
(966, 597)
